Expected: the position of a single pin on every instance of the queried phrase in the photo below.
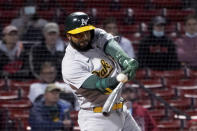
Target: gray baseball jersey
(78, 66)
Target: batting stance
(91, 63)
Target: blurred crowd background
(160, 34)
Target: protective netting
(160, 34)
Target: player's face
(81, 41)
(191, 26)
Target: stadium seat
(127, 29)
(176, 15)
(152, 83)
(170, 125)
(2, 83)
(134, 3)
(192, 113)
(142, 15)
(141, 74)
(68, 5)
(11, 4)
(166, 94)
(157, 114)
(190, 90)
(16, 104)
(181, 83)
(192, 73)
(97, 3)
(193, 99)
(22, 84)
(45, 5)
(181, 86)
(48, 14)
(20, 118)
(8, 95)
(145, 103)
(167, 3)
(181, 103)
(173, 74)
(7, 15)
(170, 28)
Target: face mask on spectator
(190, 35)
(158, 33)
(30, 10)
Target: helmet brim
(81, 29)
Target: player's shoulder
(102, 34)
(70, 53)
(71, 59)
(125, 40)
(98, 32)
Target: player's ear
(68, 36)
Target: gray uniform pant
(117, 121)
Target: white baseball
(122, 78)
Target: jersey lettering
(105, 70)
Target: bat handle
(106, 114)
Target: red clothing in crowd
(143, 118)
(187, 50)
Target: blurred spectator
(190, 4)
(51, 113)
(93, 14)
(187, 45)
(29, 22)
(140, 114)
(13, 58)
(46, 4)
(129, 16)
(157, 51)
(47, 76)
(115, 5)
(10, 4)
(110, 26)
(59, 16)
(51, 49)
(80, 5)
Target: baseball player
(91, 63)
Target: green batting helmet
(78, 22)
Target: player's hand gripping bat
(112, 99)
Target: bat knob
(106, 114)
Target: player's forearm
(113, 49)
(101, 84)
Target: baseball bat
(111, 100)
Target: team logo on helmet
(84, 22)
